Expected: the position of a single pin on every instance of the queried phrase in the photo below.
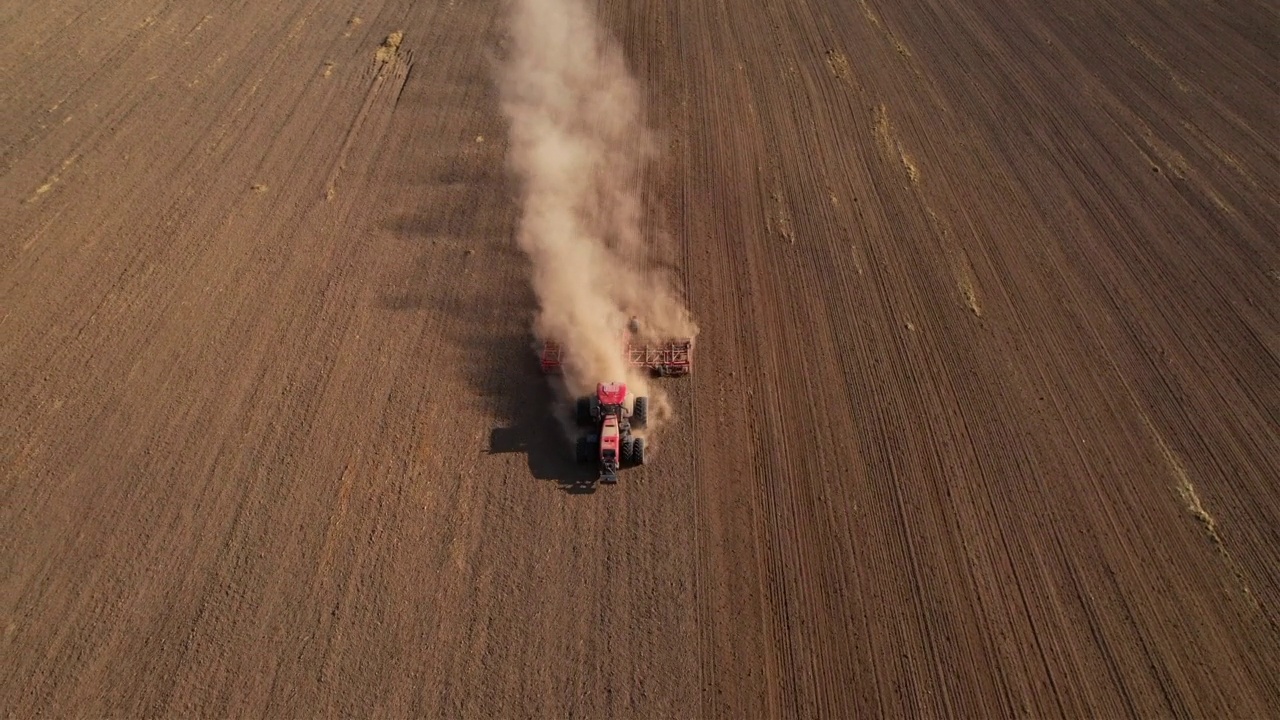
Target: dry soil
(984, 421)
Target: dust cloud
(578, 147)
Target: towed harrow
(669, 359)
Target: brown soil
(984, 424)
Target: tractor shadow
(489, 315)
(525, 401)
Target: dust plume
(579, 146)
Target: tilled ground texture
(984, 421)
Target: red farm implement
(669, 359)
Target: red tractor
(612, 445)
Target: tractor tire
(583, 450)
(628, 451)
(588, 411)
(637, 452)
(640, 413)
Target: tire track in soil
(1000, 455)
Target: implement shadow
(489, 310)
(457, 265)
(460, 269)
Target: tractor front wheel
(588, 411)
(637, 452)
(640, 413)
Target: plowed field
(985, 421)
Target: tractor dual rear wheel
(633, 451)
